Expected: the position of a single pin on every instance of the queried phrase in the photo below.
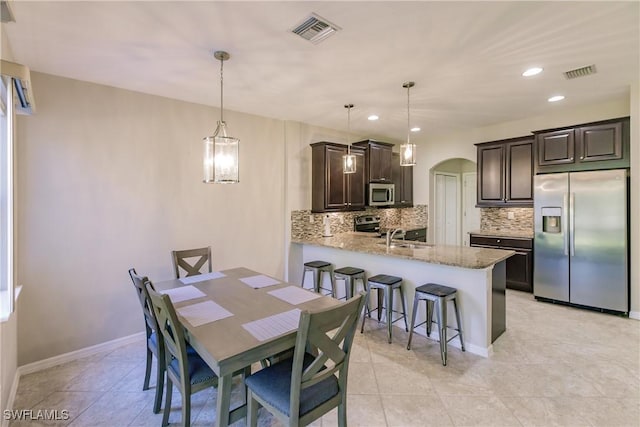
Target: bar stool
(350, 275)
(387, 284)
(319, 267)
(437, 296)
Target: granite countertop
(457, 256)
(517, 234)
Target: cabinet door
(491, 174)
(406, 189)
(379, 163)
(556, 148)
(356, 182)
(335, 195)
(519, 178)
(520, 271)
(601, 142)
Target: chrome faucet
(390, 235)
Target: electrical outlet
(511, 215)
(341, 220)
(310, 219)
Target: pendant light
(408, 150)
(221, 152)
(349, 160)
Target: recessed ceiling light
(415, 129)
(373, 117)
(556, 98)
(532, 71)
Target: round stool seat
(317, 264)
(349, 271)
(436, 290)
(385, 279)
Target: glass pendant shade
(221, 154)
(349, 163)
(407, 154)
(408, 150)
(348, 160)
(221, 157)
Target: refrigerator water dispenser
(552, 220)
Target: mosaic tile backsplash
(305, 224)
(498, 219)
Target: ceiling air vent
(580, 72)
(315, 28)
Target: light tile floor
(554, 366)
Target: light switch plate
(511, 215)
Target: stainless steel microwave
(381, 194)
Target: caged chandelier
(349, 160)
(221, 152)
(408, 150)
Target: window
(6, 196)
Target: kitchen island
(477, 273)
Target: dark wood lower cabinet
(519, 266)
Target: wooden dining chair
(155, 343)
(184, 366)
(191, 261)
(301, 389)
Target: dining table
(236, 317)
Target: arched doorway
(452, 205)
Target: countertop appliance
(581, 239)
(381, 194)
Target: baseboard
(78, 354)
(634, 315)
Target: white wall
(111, 179)
(635, 200)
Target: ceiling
(465, 57)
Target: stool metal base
(350, 281)
(317, 276)
(439, 303)
(387, 296)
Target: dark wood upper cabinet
(378, 160)
(505, 172)
(331, 189)
(403, 180)
(590, 146)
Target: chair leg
(252, 410)
(404, 309)
(186, 408)
(159, 385)
(342, 414)
(413, 320)
(380, 295)
(389, 310)
(167, 403)
(316, 280)
(304, 273)
(332, 279)
(442, 328)
(367, 308)
(147, 374)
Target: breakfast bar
(477, 273)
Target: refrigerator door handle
(572, 220)
(565, 211)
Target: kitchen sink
(406, 245)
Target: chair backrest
(171, 330)
(330, 333)
(183, 260)
(149, 318)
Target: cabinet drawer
(501, 242)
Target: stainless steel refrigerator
(581, 239)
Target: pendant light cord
(349, 129)
(221, 91)
(408, 117)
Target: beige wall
(111, 179)
(635, 199)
